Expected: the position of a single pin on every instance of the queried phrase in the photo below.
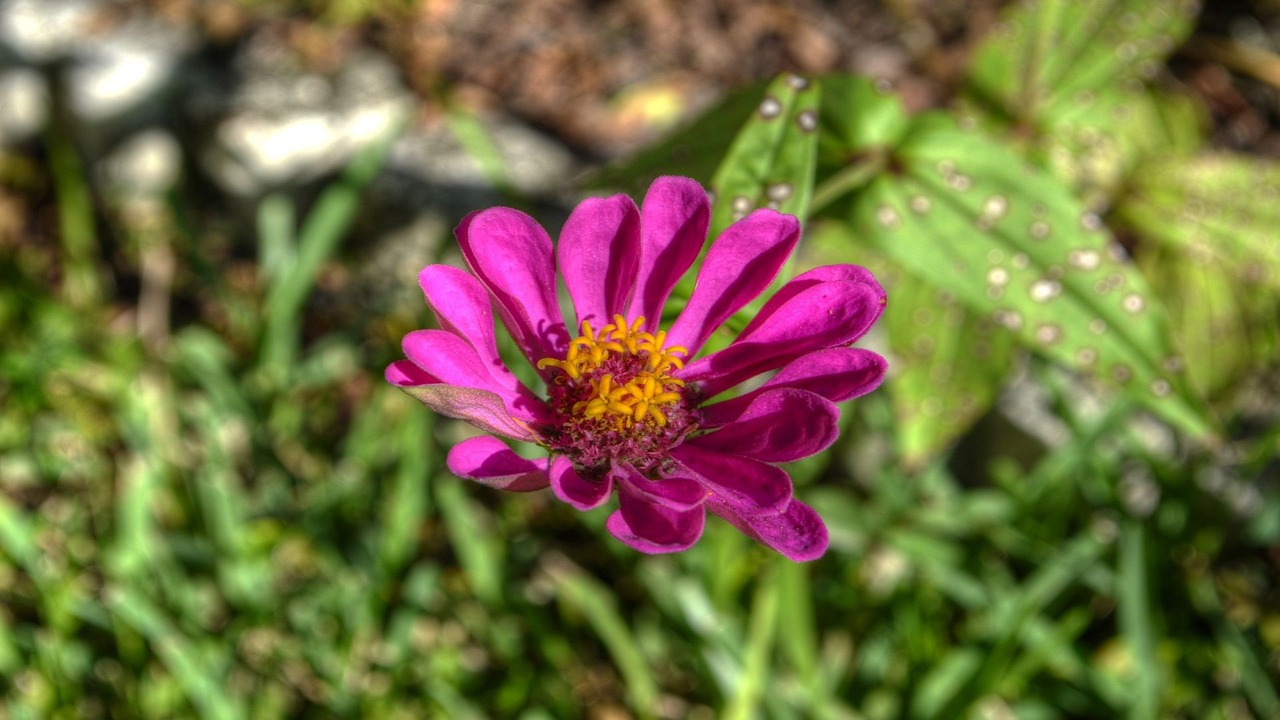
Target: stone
(286, 125)
(147, 164)
(42, 31)
(24, 95)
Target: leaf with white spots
(1226, 328)
(1014, 245)
(858, 116)
(1218, 209)
(949, 363)
(771, 162)
(1210, 243)
(1096, 146)
(1047, 57)
(1067, 79)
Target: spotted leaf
(1217, 208)
(770, 164)
(1067, 77)
(1225, 327)
(858, 116)
(949, 362)
(1047, 57)
(771, 161)
(1096, 147)
(1212, 251)
(1013, 245)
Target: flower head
(633, 407)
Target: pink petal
(652, 528)
(575, 490)
(674, 219)
(836, 374)
(809, 278)
(452, 360)
(511, 255)
(482, 408)
(741, 263)
(779, 425)
(825, 315)
(798, 533)
(673, 493)
(448, 357)
(403, 373)
(599, 254)
(488, 461)
(748, 487)
(462, 306)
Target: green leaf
(595, 602)
(1216, 207)
(772, 159)
(859, 123)
(1067, 79)
(857, 115)
(195, 671)
(81, 261)
(317, 239)
(1047, 57)
(945, 681)
(17, 536)
(1226, 328)
(406, 506)
(1136, 611)
(471, 534)
(761, 629)
(1164, 124)
(479, 144)
(1095, 146)
(1247, 661)
(1014, 612)
(1212, 220)
(799, 631)
(950, 363)
(770, 164)
(1013, 245)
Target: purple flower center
(615, 399)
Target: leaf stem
(857, 174)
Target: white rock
(24, 104)
(285, 125)
(534, 163)
(255, 152)
(147, 164)
(44, 30)
(120, 71)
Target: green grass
(243, 521)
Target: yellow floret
(638, 400)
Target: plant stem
(853, 176)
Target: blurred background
(212, 213)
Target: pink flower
(632, 407)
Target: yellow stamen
(638, 399)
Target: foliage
(238, 519)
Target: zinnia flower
(630, 406)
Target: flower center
(615, 397)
